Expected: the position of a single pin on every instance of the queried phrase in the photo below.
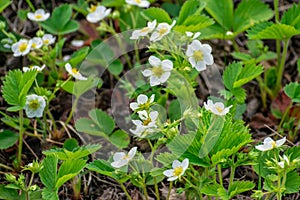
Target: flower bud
(116, 14)
(11, 178)
(2, 25)
(40, 33)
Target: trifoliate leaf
(250, 12)
(190, 8)
(292, 90)
(292, 16)
(238, 187)
(268, 30)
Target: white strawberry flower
(199, 55)
(77, 43)
(48, 39)
(144, 31)
(121, 159)
(142, 103)
(161, 30)
(192, 35)
(97, 13)
(38, 16)
(269, 144)
(34, 106)
(216, 108)
(74, 72)
(178, 169)
(34, 67)
(22, 47)
(37, 43)
(160, 71)
(140, 3)
(146, 125)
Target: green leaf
(50, 194)
(231, 73)
(103, 120)
(248, 73)
(4, 4)
(16, 86)
(7, 139)
(77, 153)
(267, 30)
(156, 13)
(194, 23)
(222, 155)
(120, 139)
(78, 56)
(174, 110)
(48, 172)
(7, 193)
(250, 12)
(69, 169)
(90, 127)
(71, 144)
(292, 183)
(60, 21)
(241, 56)
(166, 158)
(172, 9)
(221, 11)
(189, 8)
(116, 67)
(238, 187)
(292, 90)
(101, 167)
(211, 189)
(292, 16)
(239, 94)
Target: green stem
(21, 120)
(170, 189)
(72, 110)
(286, 112)
(220, 175)
(156, 188)
(125, 190)
(30, 5)
(276, 9)
(262, 91)
(6, 167)
(145, 191)
(235, 46)
(281, 66)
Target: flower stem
(30, 5)
(21, 120)
(170, 188)
(220, 175)
(72, 110)
(145, 191)
(156, 188)
(125, 190)
(281, 66)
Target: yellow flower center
(125, 157)
(33, 45)
(145, 29)
(162, 31)
(93, 8)
(198, 55)
(46, 41)
(75, 71)
(31, 67)
(146, 122)
(177, 171)
(34, 104)
(273, 144)
(138, 1)
(22, 47)
(157, 71)
(38, 16)
(219, 109)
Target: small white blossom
(74, 72)
(229, 33)
(146, 125)
(269, 144)
(178, 169)
(142, 102)
(140, 3)
(77, 43)
(144, 31)
(37, 43)
(285, 161)
(216, 108)
(121, 159)
(38, 16)
(162, 30)
(22, 47)
(97, 13)
(192, 35)
(48, 39)
(34, 67)
(34, 106)
(160, 71)
(199, 55)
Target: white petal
(196, 45)
(147, 73)
(176, 163)
(119, 156)
(154, 37)
(206, 48)
(200, 66)
(220, 105)
(153, 115)
(208, 58)
(172, 178)
(264, 147)
(144, 4)
(167, 65)
(268, 140)
(154, 81)
(192, 61)
(168, 173)
(185, 164)
(137, 122)
(154, 61)
(152, 98)
(189, 52)
(280, 142)
(189, 34)
(196, 35)
(164, 77)
(143, 114)
(134, 106)
(141, 99)
(68, 68)
(132, 152)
